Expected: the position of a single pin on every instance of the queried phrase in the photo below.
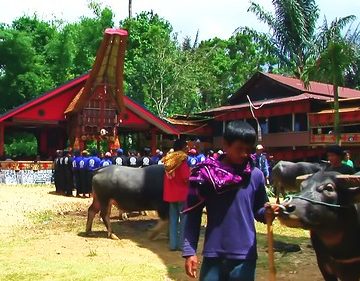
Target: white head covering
(259, 147)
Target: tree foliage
(36, 56)
(292, 28)
(332, 60)
(20, 145)
(167, 74)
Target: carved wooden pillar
(153, 141)
(2, 141)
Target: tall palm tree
(333, 58)
(292, 27)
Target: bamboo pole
(270, 239)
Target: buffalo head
(324, 197)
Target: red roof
(314, 87)
(300, 97)
(78, 82)
(46, 96)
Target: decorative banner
(26, 177)
(26, 165)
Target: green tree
(292, 28)
(333, 59)
(352, 77)
(23, 74)
(20, 144)
(157, 72)
(225, 65)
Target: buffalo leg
(321, 258)
(158, 228)
(92, 211)
(104, 213)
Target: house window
(301, 123)
(264, 124)
(280, 124)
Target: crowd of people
(73, 170)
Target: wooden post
(153, 141)
(293, 122)
(2, 141)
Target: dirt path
(51, 245)
(17, 202)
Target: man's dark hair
(239, 130)
(94, 152)
(336, 149)
(147, 151)
(179, 144)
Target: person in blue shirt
(75, 167)
(192, 159)
(201, 157)
(157, 157)
(107, 161)
(92, 163)
(82, 166)
(133, 160)
(145, 160)
(120, 159)
(262, 162)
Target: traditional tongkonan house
(90, 108)
(294, 123)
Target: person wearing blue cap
(120, 159)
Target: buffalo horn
(302, 178)
(348, 181)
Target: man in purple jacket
(233, 191)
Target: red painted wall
(53, 108)
(130, 119)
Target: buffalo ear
(349, 186)
(300, 179)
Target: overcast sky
(212, 18)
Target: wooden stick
(270, 239)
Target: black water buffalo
(328, 206)
(131, 189)
(284, 175)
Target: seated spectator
(347, 160)
(335, 155)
